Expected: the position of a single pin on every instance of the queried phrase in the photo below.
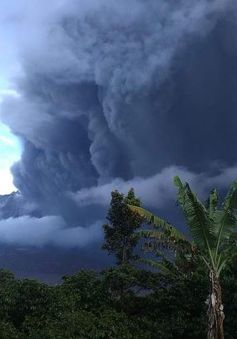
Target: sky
(10, 152)
(99, 95)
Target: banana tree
(213, 228)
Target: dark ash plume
(119, 92)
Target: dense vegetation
(129, 300)
(213, 227)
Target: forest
(164, 283)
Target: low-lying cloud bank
(156, 192)
(48, 230)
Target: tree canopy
(130, 300)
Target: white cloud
(8, 92)
(6, 182)
(10, 152)
(156, 191)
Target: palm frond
(225, 219)
(212, 202)
(200, 225)
(230, 201)
(157, 240)
(225, 223)
(169, 230)
(154, 234)
(166, 268)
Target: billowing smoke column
(119, 94)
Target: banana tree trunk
(215, 309)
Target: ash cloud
(117, 94)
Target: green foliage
(89, 304)
(128, 301)
(34, 300)
(9, 294)
(229, 283)
(8, 331)
(85, 289)
(212, 227)
(120, 238)
(166, 228)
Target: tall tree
(213, 229)
(120, 237)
